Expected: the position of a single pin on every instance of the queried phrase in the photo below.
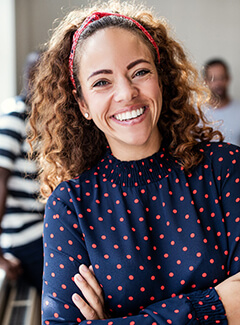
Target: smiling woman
(142, 206)
(123, 97)
(57, 83)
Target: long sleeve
(61, 264)
(229, 199)
(22, 213)
(159, 239)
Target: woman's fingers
(88, 312)
(91, 269)
(90, 278)
(94, 307)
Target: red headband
(94, 17)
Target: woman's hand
(91, 290)
(229, 292)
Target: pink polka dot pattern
(158, 238)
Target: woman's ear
(82, 105)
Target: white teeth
(130, 115)
(134, 114)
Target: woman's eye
(101, 83)
(142, 72)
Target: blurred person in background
(21, 215)
(222, 108)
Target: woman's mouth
(129, 115)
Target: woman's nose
(125, 90)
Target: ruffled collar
(139, 172)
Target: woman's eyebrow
(107, 71)
(103, 71)
(132, 64)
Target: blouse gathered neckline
(137, 172)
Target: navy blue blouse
(159, 239)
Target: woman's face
(121, 91)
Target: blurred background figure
(21, 214)
(223, 109)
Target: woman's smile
(121, 91)
(133, 114)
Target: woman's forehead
(113, 43)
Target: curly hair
(66, 143)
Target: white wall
(8, 50)
(34, 21)
(207, 28)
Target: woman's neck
(131, 153)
